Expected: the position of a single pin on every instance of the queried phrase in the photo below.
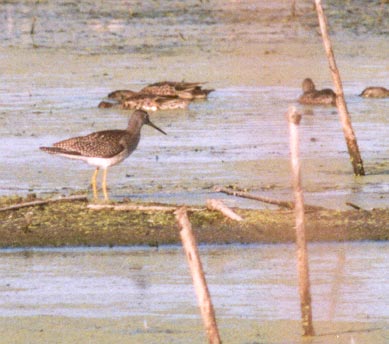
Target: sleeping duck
(375, 92)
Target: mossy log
(73, 224)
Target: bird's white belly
(106, 162)
(98, 162)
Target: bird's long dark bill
(155, 127)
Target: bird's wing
(179, 84)
(104, 144)
(159, 90)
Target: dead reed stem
(44, 202)
(197, 273)
(282, 204)
(344, 116)
(218, 205)
(302, 253)
(139, 207)
(293, 9)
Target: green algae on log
(73, 224)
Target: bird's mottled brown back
(104, 144)
(161, 90)
(178, 85)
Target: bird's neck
(134, 125)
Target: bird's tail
(57, 150)
(201, 93)
(188, 85)
(194, 93)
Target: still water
(250, 52)
(349, 282)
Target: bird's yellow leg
(94, 187)
(105, 185)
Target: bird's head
(145, 118)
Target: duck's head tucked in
(121, 95)
(149, 102)
(375, 92)
(164, 95)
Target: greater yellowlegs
(103, 149)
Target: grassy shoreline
(46, 329)
(71, 223)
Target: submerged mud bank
(73, 224)
(72, 330)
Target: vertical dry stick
(302, 254)
(293, 9)
(196, 270)
(33, 22)
(348, 131)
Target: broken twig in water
(282, 204)
(43, 202)
(130, 207)
(198, 277)
(139, 207)
(216, 204)
(352, 205)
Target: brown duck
(149, 102)
(183, 90)
(375, 92)
(146, 102)
(311, 96)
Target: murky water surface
(251, 52)
(255, 56)
(349, 282)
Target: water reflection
(253, 282)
